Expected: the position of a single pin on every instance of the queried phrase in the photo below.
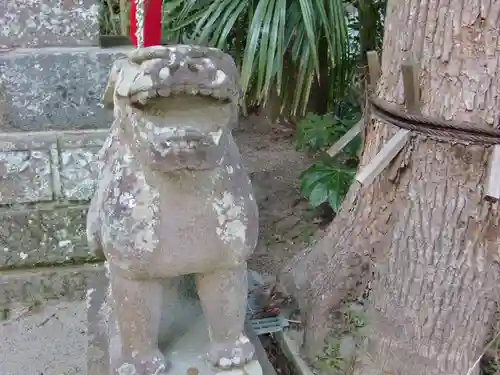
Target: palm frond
(280, 50)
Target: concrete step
(49, 341)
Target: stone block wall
(47, 181)
(52, 122)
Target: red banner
(145, 25)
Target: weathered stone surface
(65, 283)
(43, 237)
(26, 167)
(43, 141)
(78, 173)
(48, 339)
(55, 88)
(77, 168)
(43, 166)
(81, 139)
(25, 177)
(29, 23)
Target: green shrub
(328, 180)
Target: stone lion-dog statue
(173, 199)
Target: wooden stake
(492, 189)
(411, 87)
(374, 74)
(493, 179)
(366, 176)
(392, 148)
(346, 138)
(374, 70)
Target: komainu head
(175, 104)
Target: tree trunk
(427, 233)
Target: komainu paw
(150, 364)
(229, 355)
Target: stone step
(30, 287)
(28, 23)
(54, 88)
(49, 341)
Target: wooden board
(346, 138)
(367, 174)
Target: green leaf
(180, 24)
(215, 28)
(171, 5)
(326, 24)
(326, 181)
(228, 26)
(318, 195)
(315, 132)
(264, 57)
(252, 44)
(309, 26)
(301, 76)
(333, 200)
(352, 148)
(310, 180)
(275, 40)
(280, 48)
(205, 26)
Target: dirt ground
(287, 224)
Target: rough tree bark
(428, 235)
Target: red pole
(145, 22)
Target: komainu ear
(109, 91)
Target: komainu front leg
(137, 307)
(223, 295)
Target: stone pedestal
(185, 328)
(187, 353)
